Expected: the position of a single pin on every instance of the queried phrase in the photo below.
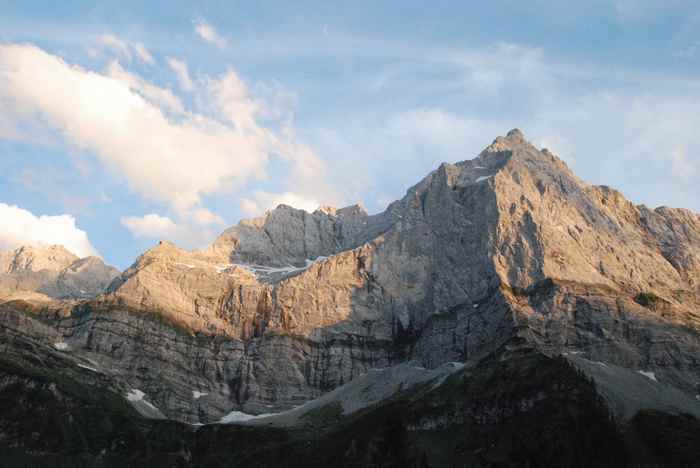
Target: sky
(126, 123)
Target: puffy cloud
(151, 225)
(203, 216)
(154, 226)
(21, 227)
(233, 101)
(207, 32)
(182, 73)
(120, 119)
(263, 201)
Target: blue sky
(129, 122)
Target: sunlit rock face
(53, 271)
(283, 308)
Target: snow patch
(61, 346)
(135, 395)
(264, 270)
(197, 395)
(239, 416)
(648, 375)
(88, 368)
(479, 179)
(601, 363)
(450, 367)
(150, 405)
(223, 268)
(186, 265)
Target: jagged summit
(516, 134)
(36, 258)
(53, 271)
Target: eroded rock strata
(283, 308)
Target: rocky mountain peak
(516, 135)
(53, 271)
(509, 247)
(36, 258)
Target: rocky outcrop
(52, 271)
(283, 308)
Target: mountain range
(502, 313)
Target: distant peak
(513, 139)
(165, 244)
(516, 134)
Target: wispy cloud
(182, 73)
(125, 49)
(209, 34)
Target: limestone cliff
(282, 308)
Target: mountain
(36, 271)
(568, 306)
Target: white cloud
(151, 225)
(121, 120)
(183, 74)
(21, 227)
(113, 42)
(158, 96)
(207, 32)
(263, 201)
(230, 95)
(203, 216)
(154, 226)
(125, 49)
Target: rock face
(283, 308)
(52, 271)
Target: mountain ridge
(285, 307)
